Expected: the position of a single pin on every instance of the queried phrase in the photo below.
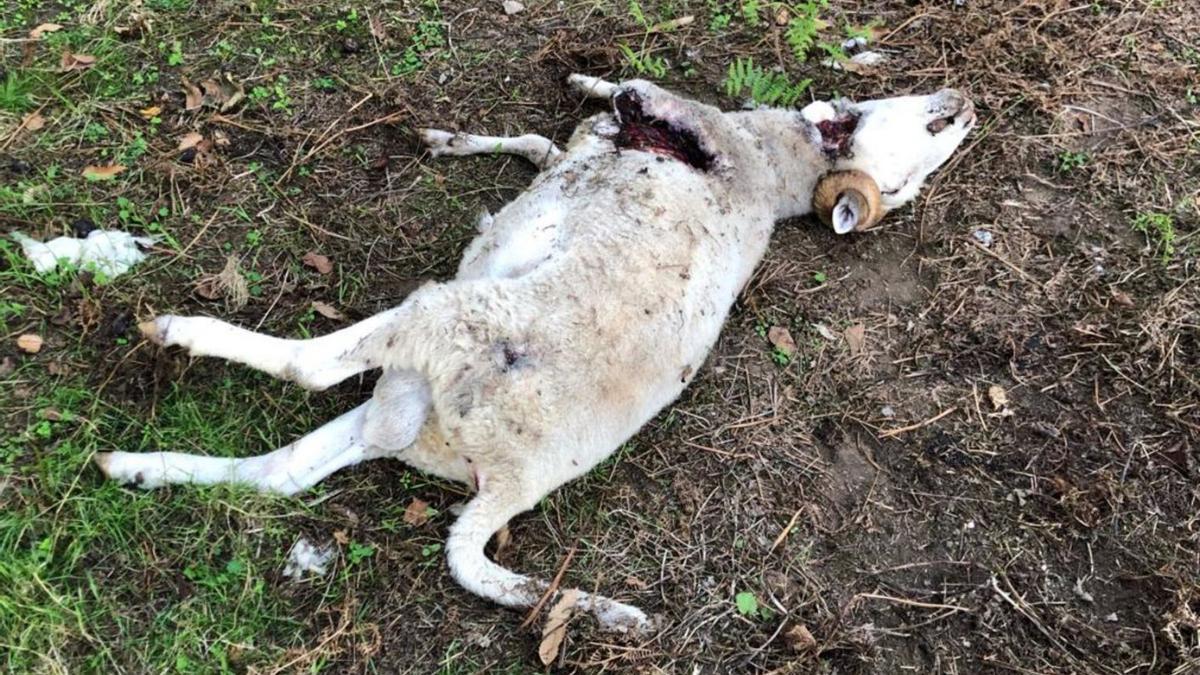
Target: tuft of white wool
(109, 252)
(307, 557)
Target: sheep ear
(848, 212)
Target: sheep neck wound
(641, 131)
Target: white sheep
(580, 310)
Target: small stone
(512, 7)
(983, 237)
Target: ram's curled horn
(853, 188)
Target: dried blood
(640, 131)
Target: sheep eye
(938, 125)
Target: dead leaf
(1122, 298)
(634, 582)
(30, 343)
(799, 638)
(220, 139)
(150, 113)
(824, 331)
(57, 368)
(228, 283)
(856, 337)
(781, 339)
(190, 140)
(42, 29)
(225, 96)
(51, 414)
(7, 365)
(193, 98)
(416, 513)
(378, 30)
(318, 262)
(782, 17)
(33, 122)
(102, 172)
(213, 91)
(72, 61)
(999, 397)
(341, 537)
(555, 628)
(503, 541)
(327, 310)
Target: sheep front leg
(537, 149)
(592, 87)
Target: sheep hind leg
(293, 468)
(490, 510)
(317, 363)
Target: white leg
(537, 149)
(488, 512)
(316, 364)
(288, 470)
(593, 87)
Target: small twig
(913, 427)
(1024, 275)
(911, 603)
(562, 569)
(787, 529)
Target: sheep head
(880, 152)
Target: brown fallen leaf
(318, 262)
(7, 365)
(799, 638)
(193, 98)
(228, 283)
(151, 112)
(213, 91)
(634, 582)
(33, 122)
(416, 513)
(378, 30)
(503, 541)
(223, 95)
(1122, 298)
(30, 343)
(102, 172)
(327, 310)
(856, 337)
(341, 537)
(71, 61)
(555, 628)
(190, 140)
(43, 28)
(781, 339)
(999, 397)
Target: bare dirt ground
(982, 457)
